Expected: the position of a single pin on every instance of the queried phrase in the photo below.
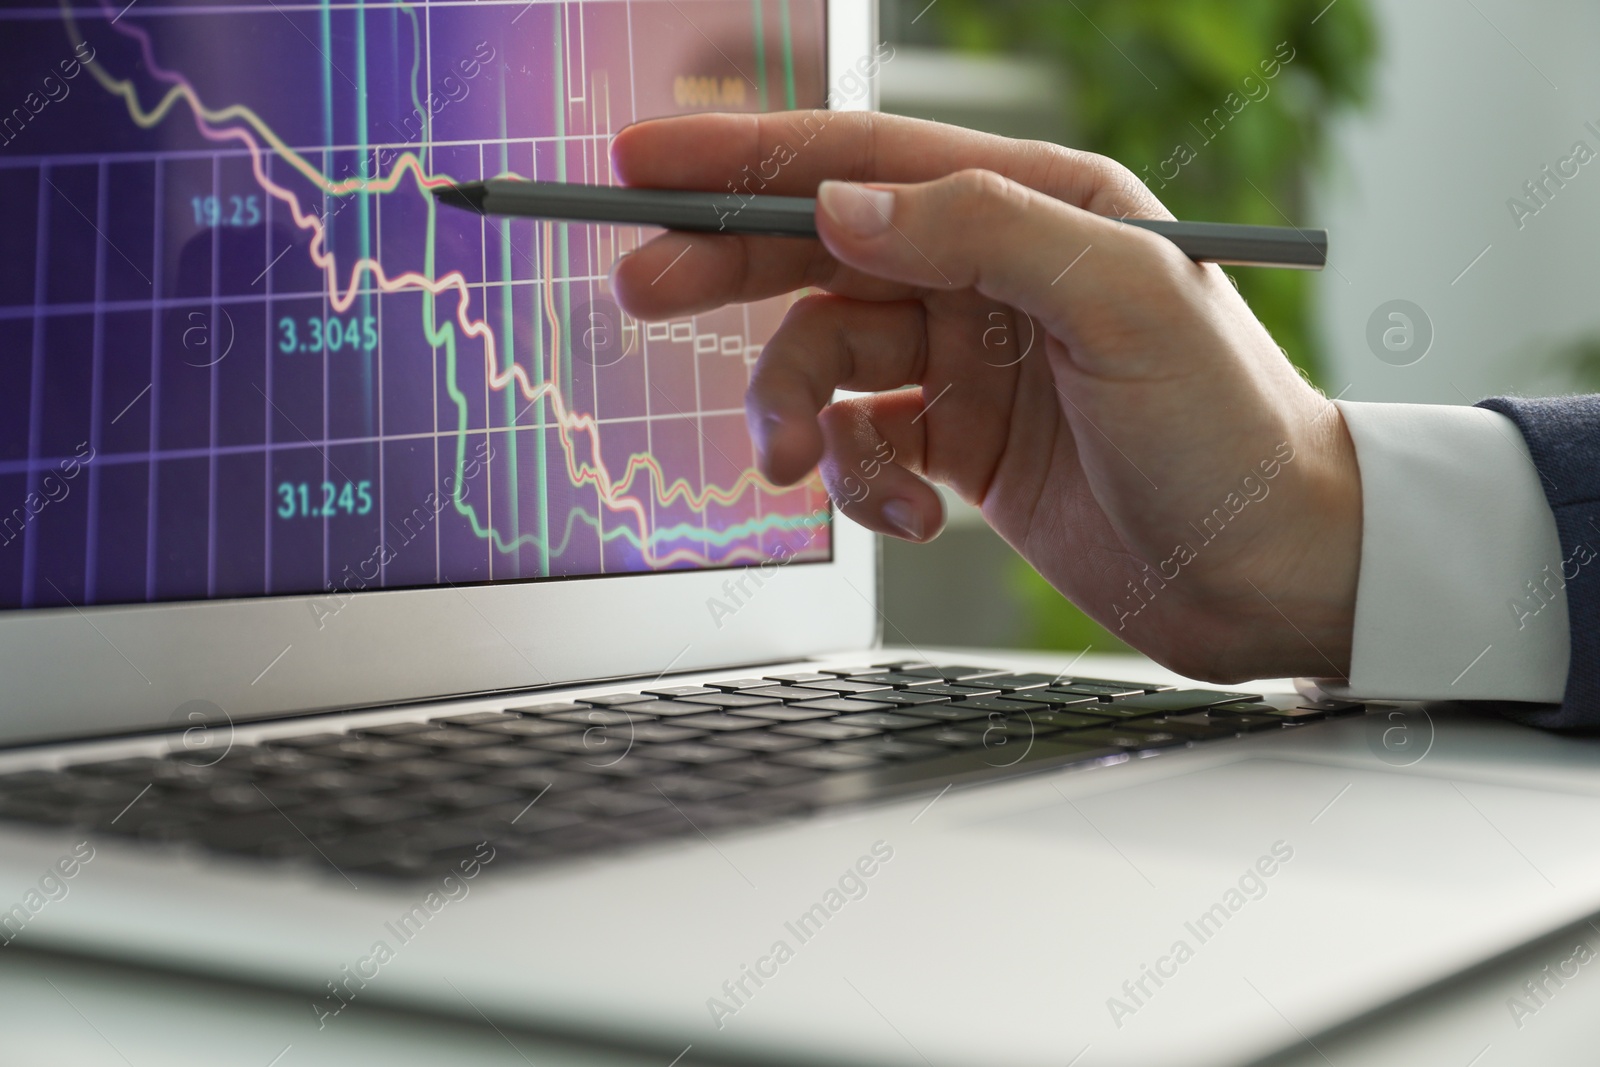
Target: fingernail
(861, 209)
(904, 517)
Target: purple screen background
(243, 354)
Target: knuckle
(838, 421)
(1161, 265)
(984, 193)
(1097, 183)
(809, 309)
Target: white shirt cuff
(1460, 595)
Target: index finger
(790, 153)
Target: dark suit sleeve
(1563, 435)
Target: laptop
(386, 617)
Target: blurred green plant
(1161, 86)
(1577, 361)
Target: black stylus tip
(467, 195)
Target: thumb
(976, 229)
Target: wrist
(1314, 620)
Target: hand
(1115, 410)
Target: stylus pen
(795, 216)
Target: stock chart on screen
(243, 353)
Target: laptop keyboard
(547, 781)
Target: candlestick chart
(244, 352)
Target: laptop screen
(243, 353)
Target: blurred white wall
(1474, 98)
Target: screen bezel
(93, 671)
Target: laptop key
(541, 710)
(365, 748)
(625, 767)
(502, 756)
(524, 817)
(730, 700)
(846, 672)
(1127, 739)
(995, 732)
(950, 674)
(435, 836)
(1013, 683)
(824, 731)
(1246, 708)
(340, 783)
(1119, 714)
(1049, 698)
(661, 732)
(1133, 687)
(599, 716)
(1095, 689)
(892, 748)
(953, 736)
(891, 678)
(956, 692)
(610, 803)
(765, 741)
(843, 687)
(527, 728)
(995, 704)
(233, 799)
(451, 737)
(475, 718)
(534, 780)
(597, 742)
(693, 752)
(734, 684)
(975, 688)
(425, 769)
(368, 811)
(606, 700)
(827, 759)
(1246, 723)
(784, 692)
(673, 691)
(22, 782)
(796, 679)
(39, 810)
(781, 713)
(319, 740)
(1288, 716)
(908, 698)
(394, 729)
(840, 705)
(667, 709)
(1064, 720)
(459, 794)
(78, 786)
(721, 722)
(1331, 708)
(881, 720)
(945, 712)
(691, 787)
(251, 760)
(170, 773)
(1195, 726)
(1181, 700)
(762, 774)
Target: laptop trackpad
(1327, 887)
(1352, 825)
